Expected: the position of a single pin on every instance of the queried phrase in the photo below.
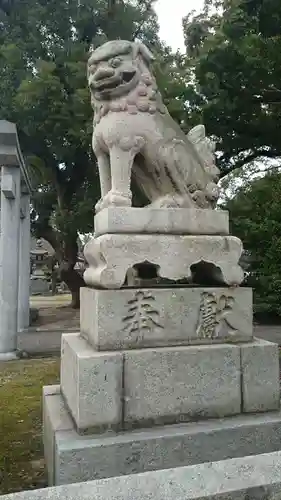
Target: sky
(170, 14)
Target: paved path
(41, 342)
(47, 342)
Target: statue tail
(205, 149)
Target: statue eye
(115, 62)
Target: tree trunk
(73, 280)
(68, 274)
(54, 282)
(66, 249)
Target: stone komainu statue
(136, 140)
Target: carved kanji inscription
(213, 312)
(142, 315)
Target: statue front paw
(99, 205)
(117, 199)
(200, 199)
(113, 198)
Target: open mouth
(112, 83)
(127, 76)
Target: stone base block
(255, 477)
(39, 286)
(199, 259)
(82, 458)
(160, 317)
(91, 383)
(55, 419)
(170, 385)
(149, 220)
(148, 387)
(260, 376)
(142, 388)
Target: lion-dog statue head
(117, 69)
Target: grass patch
(22, 464)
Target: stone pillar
(24, 262)
(9, 258)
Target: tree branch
(248, 159)
(6, 6)
(147, 5)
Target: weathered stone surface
(256, 478)
(169, 385)
(134, 136)
(134, 318)
(260, 382)
(82, 458)
(39, 286)
(55, 419)
(9, 255)
(110, 257)
(91, 383)
(150, 386)
(151, 220)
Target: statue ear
(140, 48)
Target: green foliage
(175, 81)
(43, 52)
(256, 218)
(43, 89)
(236, 52)
(234, 47)
(44, 46)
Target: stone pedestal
(161, 317)
(157, 377)
(162, 374)
(148, 220)
(142, 397)
(175, 258)
(72, 457)
(165, 385)
(192, 245)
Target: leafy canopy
(256, 218)
(235, 49)
(43, 52)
